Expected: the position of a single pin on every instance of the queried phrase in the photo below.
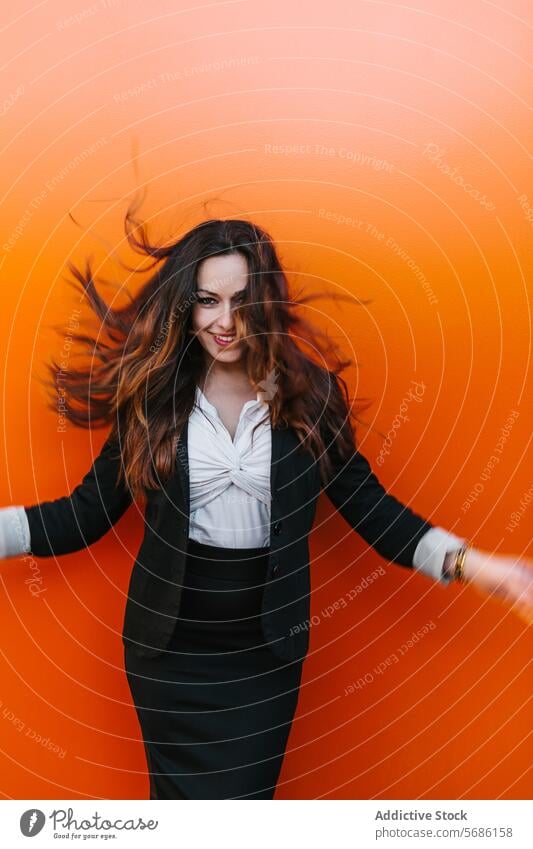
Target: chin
(229, 356)
(219, 353)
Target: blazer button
(275, 569)
(277, 528)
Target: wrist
(448, 564)
(475, 564)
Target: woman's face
(220, 284)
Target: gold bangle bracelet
(458, 568)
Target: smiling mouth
(223, 340)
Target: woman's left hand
(508, 577)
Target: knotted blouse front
(229, 479)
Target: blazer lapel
(183, 465)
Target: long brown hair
(145, 362)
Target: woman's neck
(226, 374)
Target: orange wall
(412, 124)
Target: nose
(224, 321)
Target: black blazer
(75, 521)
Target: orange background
(188, 102)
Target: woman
(227, 431)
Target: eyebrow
(201, 289)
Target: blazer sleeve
(77, 520)
(389, 526)
(386, 524)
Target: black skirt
(215, 708)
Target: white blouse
(230, 490)
(229, 480)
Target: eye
(205, 300)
